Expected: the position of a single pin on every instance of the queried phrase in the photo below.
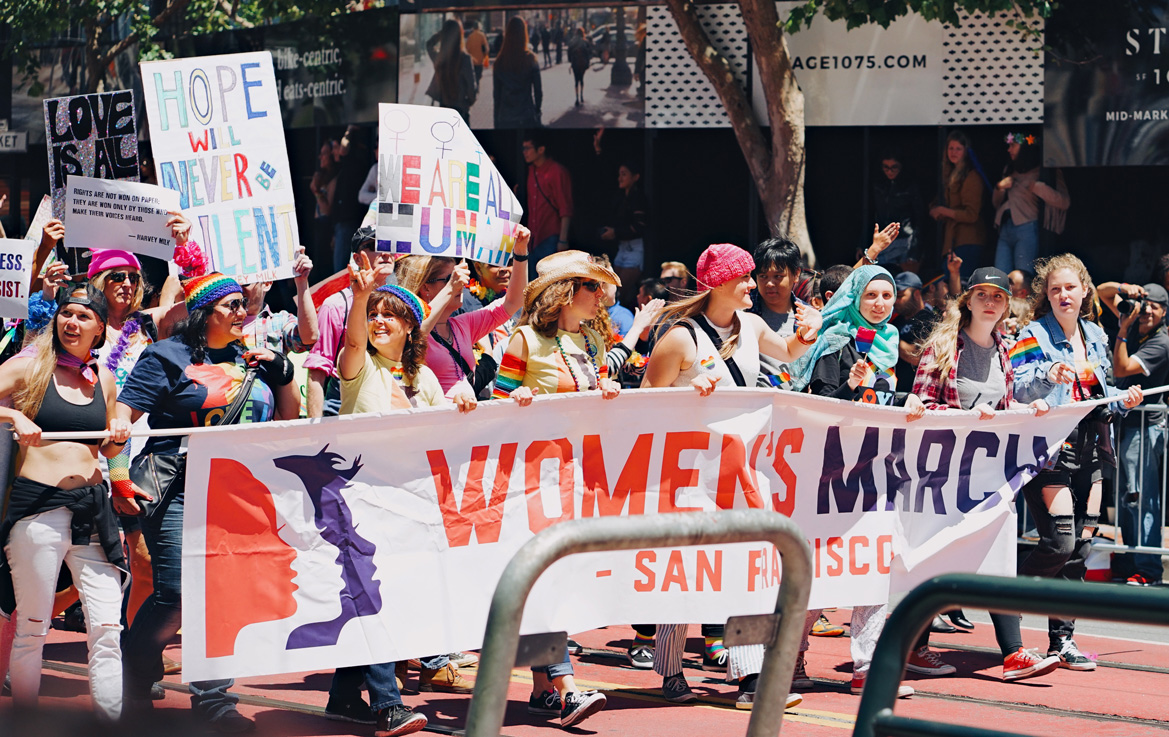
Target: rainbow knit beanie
(420, 309)
(208, 289)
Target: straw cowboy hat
(566, 265)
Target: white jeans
(36, 548)
(864, 630)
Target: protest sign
(324, 289)
(125, 215)
(330, 516)
(41, 218)
(15, 263)
(218, 141)
(90, 136)
(439, 194)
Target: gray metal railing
(1029, 595)
(781, 634)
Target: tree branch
(722, 77)
(176, 7)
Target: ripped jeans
(36, 548)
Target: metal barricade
(1030, 595)
(780, 634)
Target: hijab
(842, 319)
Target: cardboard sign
(15, 263)
(439, 194)
(90, 136)
(125, 215)
(218, 141)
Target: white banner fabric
(439, 194)
(218, 141)
(313, 544)
(15, 263)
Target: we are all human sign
(218, 141)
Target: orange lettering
(854, 568)
(793, 438)
(775, 567)
(675, 478)
(675, 572)
(630, 485)
(884, 553)
(484, 517)
(713, 574)
(754, 568)
(836, 567)
(241, 178)
(644, 557)
(538, 452)
(732, 473)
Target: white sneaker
(858, 686)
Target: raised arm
(306, 311)
(513, 301)
(363, 281)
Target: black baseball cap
(364, 237)
(989, 276)
(1156, 293)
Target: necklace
(591, 352)
(130, 328)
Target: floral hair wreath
(1020, 139)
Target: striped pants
(671, 642)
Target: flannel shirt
(938, 392)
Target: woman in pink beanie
(711, 339)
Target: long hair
(691, 307)
(513, 51)
(944, 336)
(192, 332)
(544, 313)
(1029, 158)
(602, 325)
(953, 175)
(1040, 304)
(414, 351)
(414, 271)
(446, 64)
(99, 282)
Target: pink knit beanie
(721, 263)
(109, 258)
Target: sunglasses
(236, 304)
(120, 276)
(439, 280)
(592, 285)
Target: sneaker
(575, 647)
(446, 680)
(800, 678)
(1139, 579)
(464, 660)
(171, 667)
(1028, 664)
(640, 656)
(858, 686)
(580, 705)
(232, 722)
(824, 628)
(397, 720)
(545, 704)
(929, 663)
(676, 690)
(1070, 656)
(157, 692)
(356, 711)
(715, 662)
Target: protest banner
(15, 263)
(40, 219)
(326, 288)
(125, 215)
(325, 518)
(90, 136)
(218, 141)
(439, 194)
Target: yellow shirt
(547, 372)
(380, 387)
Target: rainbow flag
(708, 363)
(1025, 351)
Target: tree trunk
(777, 166)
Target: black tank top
(57, 415)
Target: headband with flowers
(1020, 139)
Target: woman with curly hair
(1062, 356)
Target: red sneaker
(1139, 579)
(1028, 664)
(927, 662)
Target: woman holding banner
(854, 359)
(966, 366)
(713, 340)
(451, 354)
(201, 376)
(553, 351)
(1063, 357)
(59, 510)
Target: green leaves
(857, 13)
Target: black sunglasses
(236, 304)
(592, 285)
(439, 279)
(120, 276)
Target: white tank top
(708, 361)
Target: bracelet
(865, 255)
(1121, 340)
(518, 258)
(803, 341)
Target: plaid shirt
(942, 393)
(277, 331)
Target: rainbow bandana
(418, 308)
(208, 289)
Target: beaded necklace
(591, 352)
(130, 328)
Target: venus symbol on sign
(397, 122)
(442, 127)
